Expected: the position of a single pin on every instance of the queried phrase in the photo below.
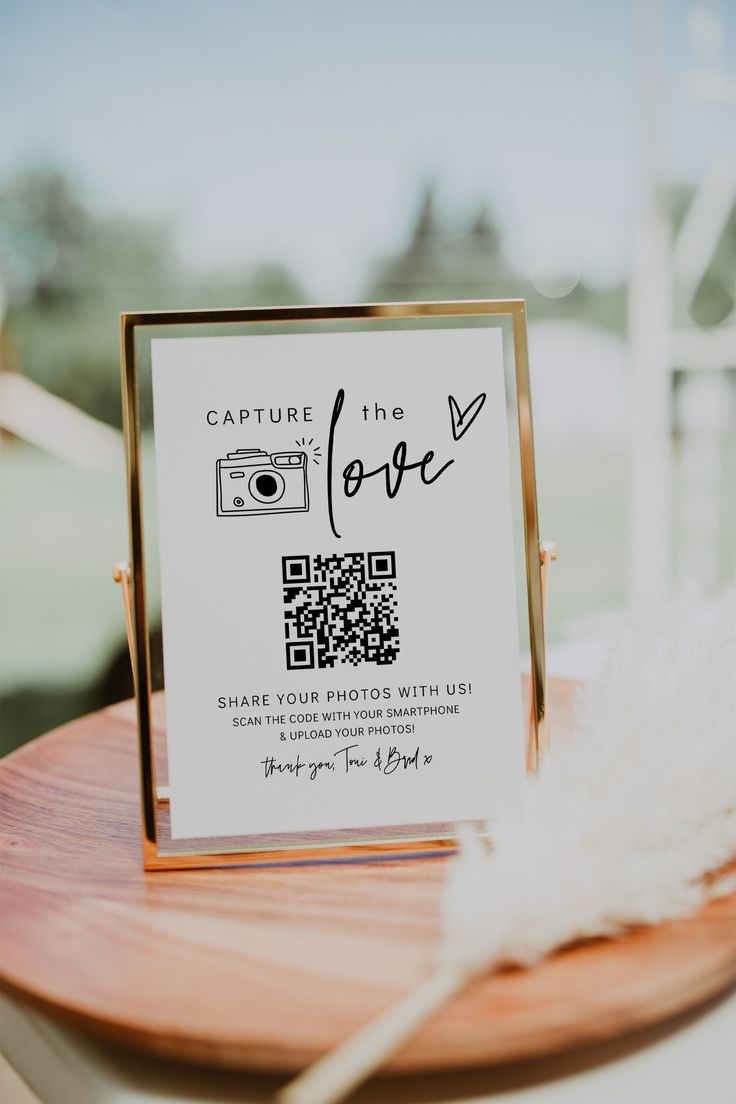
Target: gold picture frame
(132, 573)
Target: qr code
(340, 609)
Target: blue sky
(304, 130)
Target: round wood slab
(267, 968)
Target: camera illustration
(251, 481)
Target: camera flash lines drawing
(315, 449)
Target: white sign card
(337, 572)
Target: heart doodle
(462, 420)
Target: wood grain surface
(266, 968)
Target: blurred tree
(443, 261)
(44, 233)
(440, 261)
(68, 272)
(272, 284)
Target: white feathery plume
(618, 829)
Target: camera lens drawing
(253, 481)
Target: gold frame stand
(130, 574)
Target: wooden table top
(265, 968)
